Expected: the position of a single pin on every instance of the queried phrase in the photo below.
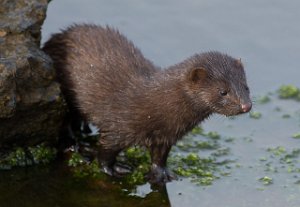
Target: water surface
(265, 34)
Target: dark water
(54, 186)
(265, 34)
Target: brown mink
(107, 81)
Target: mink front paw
(160, 175)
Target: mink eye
(246, 88)
(223, 92)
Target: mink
(108, 82)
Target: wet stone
(31, 106)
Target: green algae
(263, 99)
(139, 158)
(255, 115)
(184, 160)
(40, 154)
(199, 170)
(277, 151)
(286, 116)
(75, 160)
(289, 92)
(195, 145)
(17, 158)
(88, 170)
(221, 152)
(266, 180)
(137, 155)
(197, 130)
(213, 135)
(282, 160)
(296, 135)
(137, 177)
(82, 168)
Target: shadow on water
(55, 186)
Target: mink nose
(246, 107)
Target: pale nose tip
(246, 107)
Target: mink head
(218, 82)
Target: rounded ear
(238, 62)
(198, 74)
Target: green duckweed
(17, 158)
(184, 160)
(289, 92)
(266, 180)
(75, 160)
(39, 154)
(263, 99)
(82, 168)
(197, 130)
(296, 135)
(139, 158)
(277, 151)
(286, 116)
(42, 154)
(255, 115)
(199, 170)
(213, 135)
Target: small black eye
(246, 88)
(223, 93)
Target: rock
(31, 105)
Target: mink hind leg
(159, 173)
(72, 129)
(68, 132)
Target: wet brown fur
(107, 81)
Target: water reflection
(55, 186)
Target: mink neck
(174, 81)
(168, 95)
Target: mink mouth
(232, 113)
(233, 110)
(240, 112)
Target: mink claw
(116, 170)
(160, 175)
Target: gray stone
(31, 105)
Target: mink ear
(238, 62)
(198, 74)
